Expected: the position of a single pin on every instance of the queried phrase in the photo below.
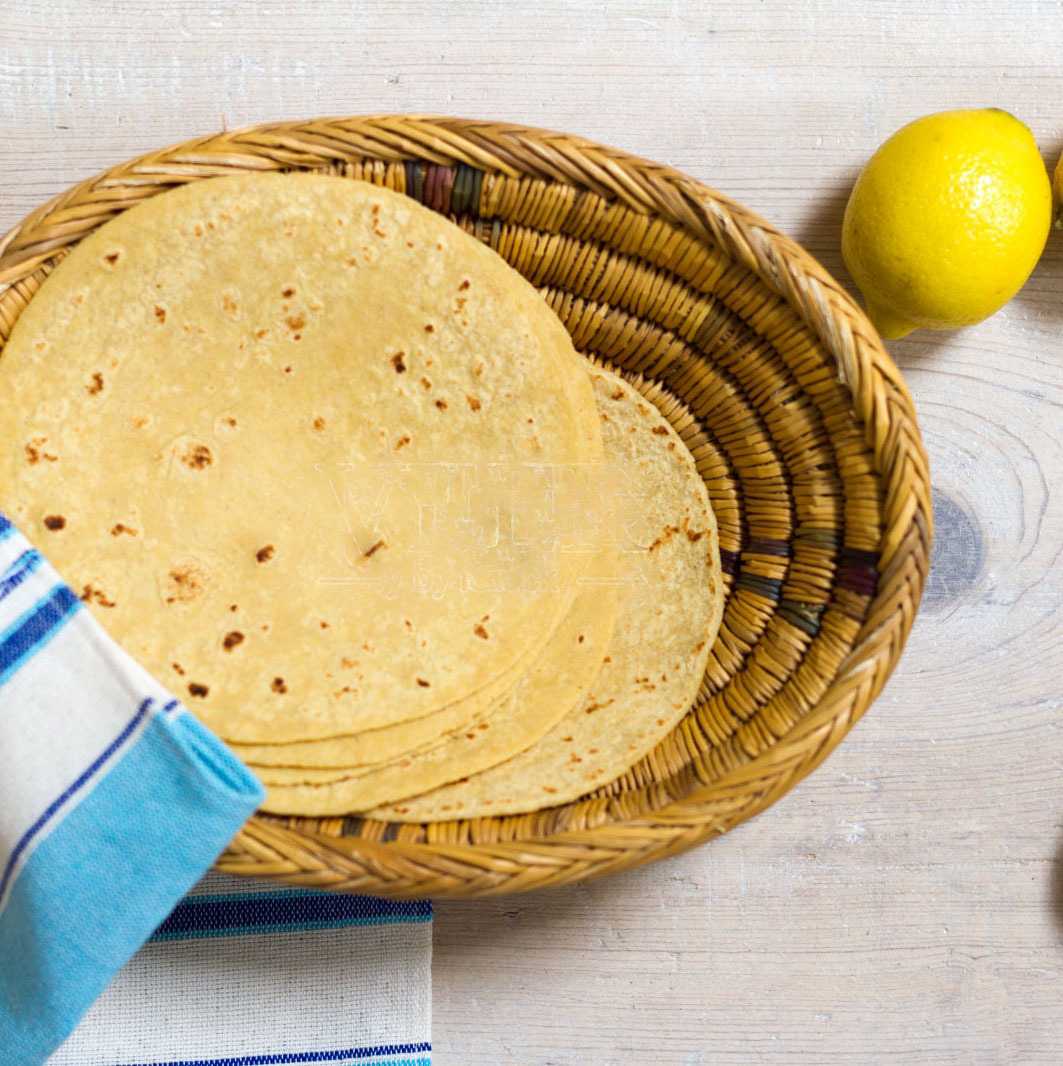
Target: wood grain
(903, 905)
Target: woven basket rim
(880, 401)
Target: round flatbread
(559, 678)
(670, 606)
(267, 427)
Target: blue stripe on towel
(6, 528)
(339, 1058)
(34, 629)
(53, 808)
(19, 570)
(81, 905)
(234, 916)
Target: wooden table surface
(902, 905)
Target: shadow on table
(460, 923)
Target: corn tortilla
(223, 415)
(670, 606)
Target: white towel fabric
(247, 973)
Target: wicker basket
(800, 423)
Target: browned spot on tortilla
(474, 403)
(120, 527)
(464, 285)
(34, 454)
(288, 293)
(425, 382)
(424, 684)
(232, 639)
(185, 583)
(397, 363)
(196, 689)
(263, 555)
(234, 608)
(694, 536)
(618, 395)
(671, 445)
(441, 404)
(596, 706)
(96, 386)
(288, 369)
(278, 685)
(669, 532)
(54, 522)
(91, 595)
(429, 328)
(483, 725)
(370, 551)
(480, 631)
(581, 638)
(661, 431)
(567, 740)
(319, 424)
(160, 313)
(402, 441)
(197, 457)
(112, 258)
(228, 304)
(479, 370)
(547, 788)
(459, 303)
(260, 333)
(470, 736)
(179, 668)
(324, 625)
(296, 322)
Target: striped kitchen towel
(114, 801)
(245, 973)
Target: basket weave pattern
(799, 422)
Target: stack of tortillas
(334, 473)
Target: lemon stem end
(891, 327)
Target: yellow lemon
(1057, 192)
(947, 220)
